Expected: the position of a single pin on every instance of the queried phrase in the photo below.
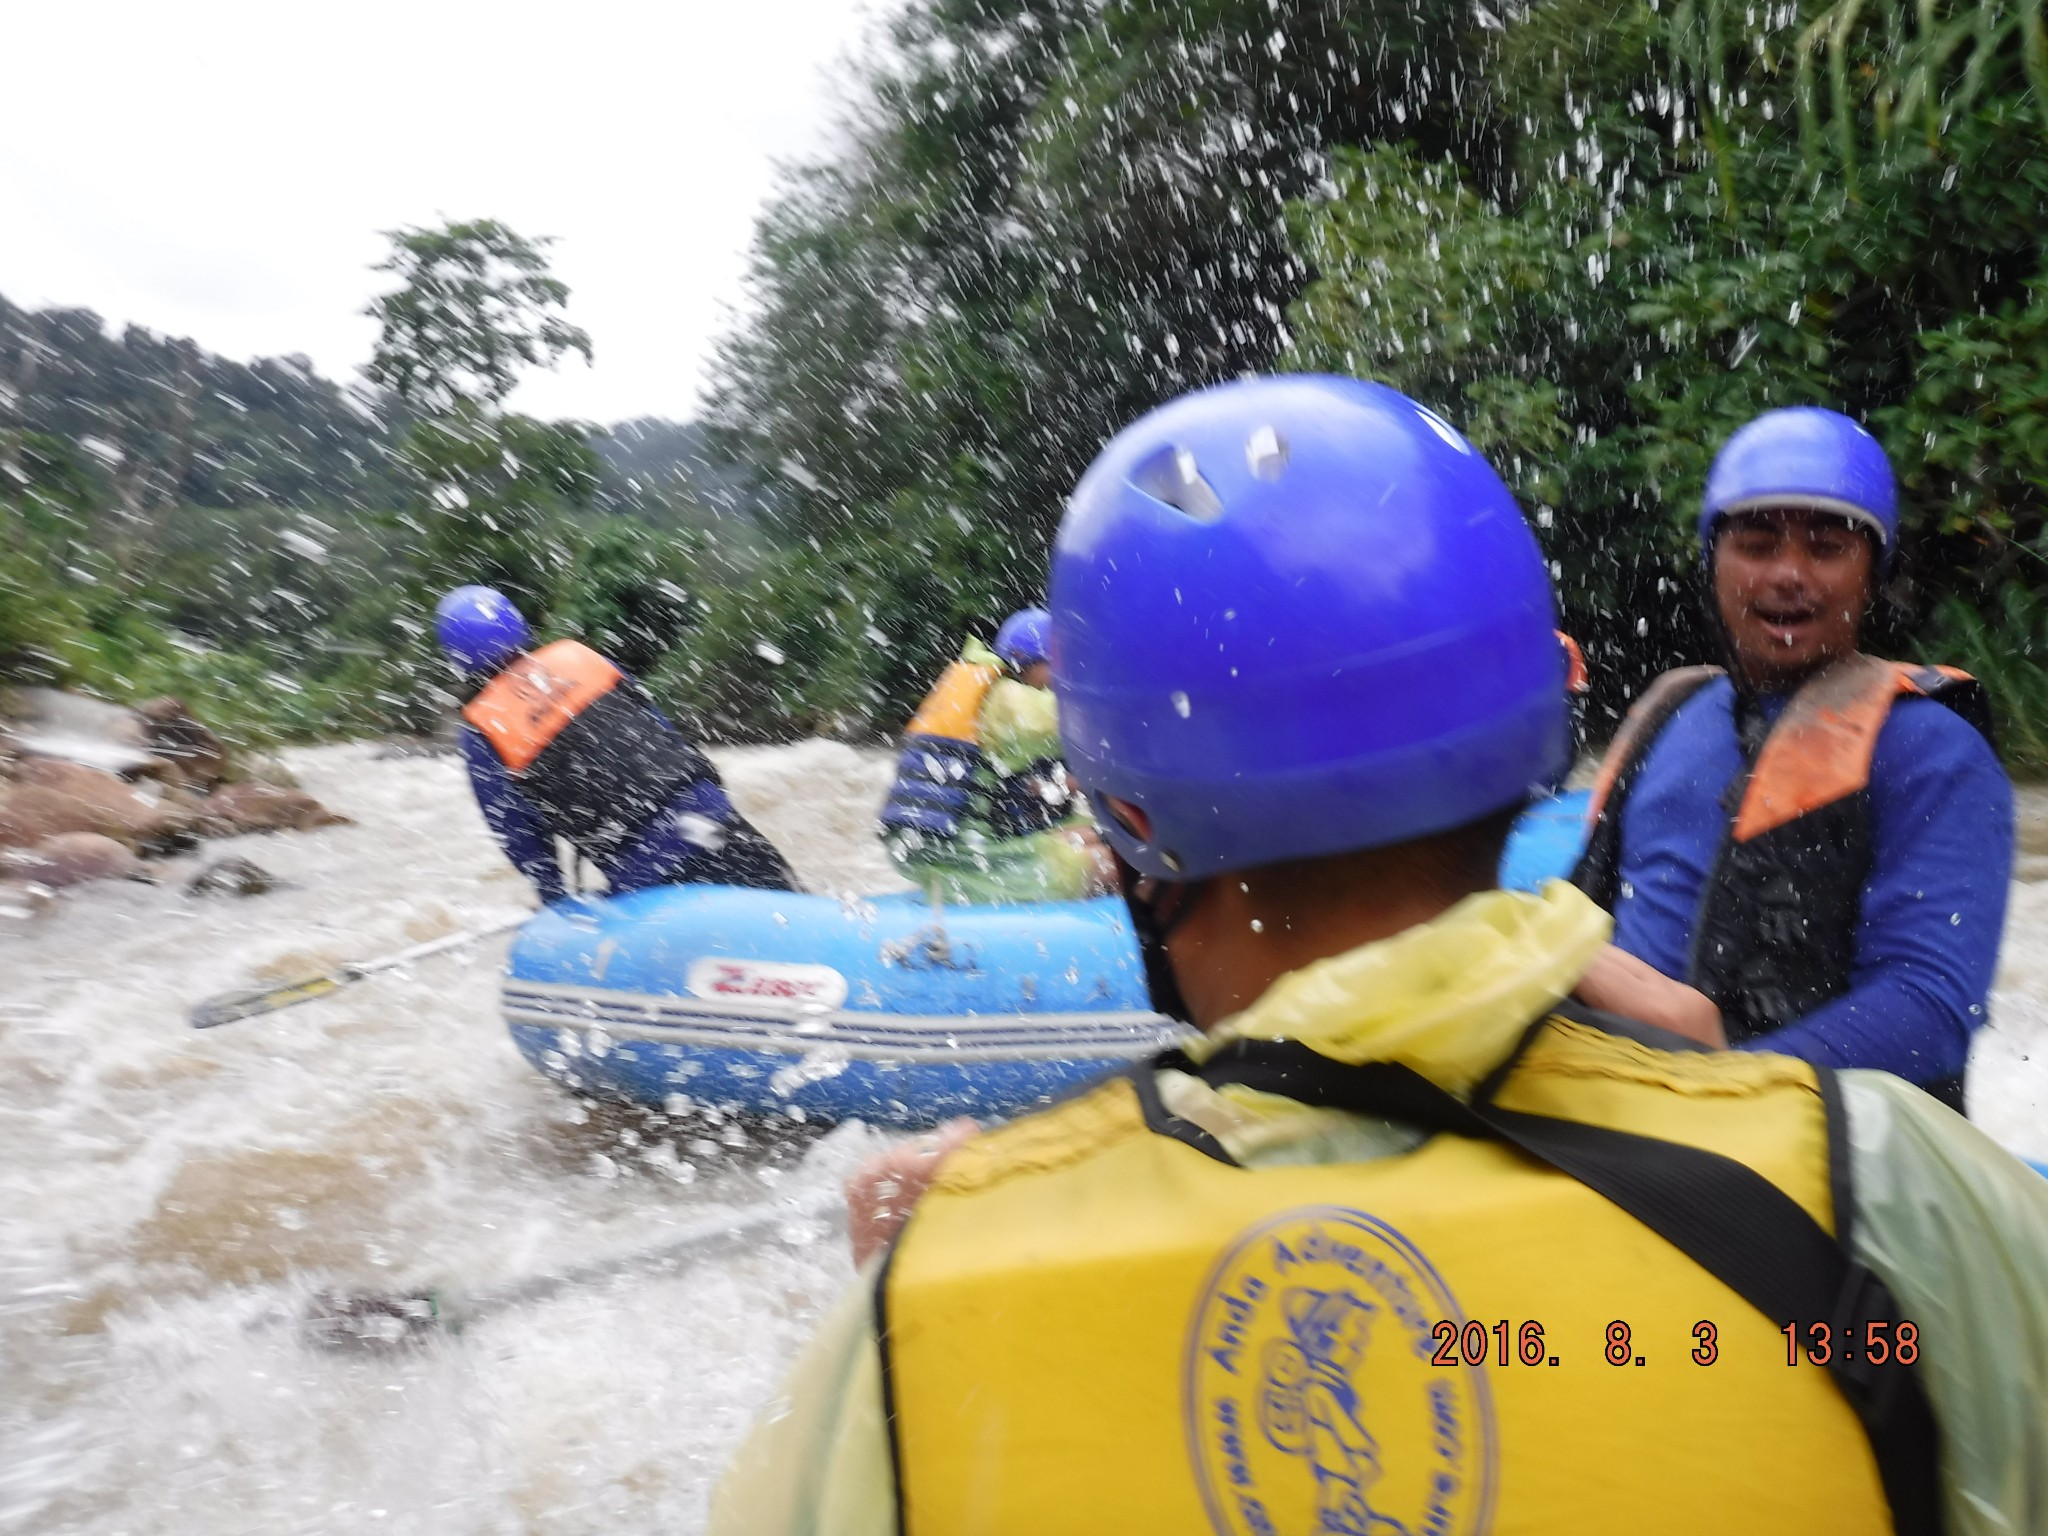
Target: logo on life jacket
(1313, 1406)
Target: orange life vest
(1776, 933)
(526, 706)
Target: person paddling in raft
(1402, 1241)
(560, 743)
(982, 810)
(1806, 851)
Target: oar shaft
(227, 1007)
(431, 947)
(695, 1241)
(382, 1321)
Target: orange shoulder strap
(526, 706)
(953, 706)
(1820, 749)
(1576, 678)
(1646, 717)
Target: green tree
(475, 305)
(1053, 214)
(493, 494)
(627, 590)
(495, 499)
(180, 425)
(1705, 211)
(46, 497)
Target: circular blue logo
(1312, 1405)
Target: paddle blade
(226, 1007)
(373, 1322)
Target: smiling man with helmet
(1303, 646)
(1805, 850)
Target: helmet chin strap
(1157, 908)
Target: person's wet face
(1792, 585)
(1037, 674)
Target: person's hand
(1620, 983)
(886, 1188)
(1103, 877)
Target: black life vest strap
(1725, 1216)
(938, 779)
(1598, 872)
(1963, 694)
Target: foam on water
(166, 1195)
(170, 1199)
(2008, 1083)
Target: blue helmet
(479, 629)
(1025, 637)
(1803, 456)
(1298, 616)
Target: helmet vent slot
(1170, 475)
(1265, 451)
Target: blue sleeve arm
(512, 821)
(1933, 910)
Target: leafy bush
(626, 590)
(2007, 651)
(843, 638)
(229, 617)
(1698, 220)
(40, 622)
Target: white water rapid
(171, 1200)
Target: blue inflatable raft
(886, 1009)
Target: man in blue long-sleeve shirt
(560, 743)
(1809, 853)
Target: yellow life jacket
(1095, 1322)
(953, 706)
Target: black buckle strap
(1878, 1391)
(1724, 1215)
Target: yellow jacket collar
(1448, 998)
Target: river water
(172, 1200)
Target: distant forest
(1598, 235)
(173, 520)
(164, 423)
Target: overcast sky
(221, 168)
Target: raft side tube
(886, 1009)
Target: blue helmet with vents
(479, 629)
(1025, 637)
(1808, 458)
(1297, 616)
